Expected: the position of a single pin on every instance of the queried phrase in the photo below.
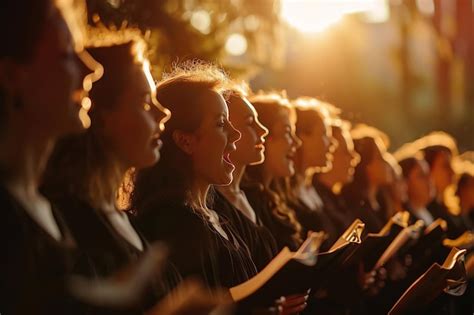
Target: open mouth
(156, 141)
(227, 159)
(78, 96)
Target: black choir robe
(261, 243)
(104, 252)
(196, 248)
(34, 265)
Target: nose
(296, 141)
(233, 134)
(91, 70)
(355, 158)
(262, 130)
(332, 144)
(162, 114)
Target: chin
(225, 180)
(147, 162)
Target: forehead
(422, 166)
(54, 40)
(240, 106)
(283, 119)
(212, 103)
(342, 136)
(139, 78)
(443, 156)
(73, 14)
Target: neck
(327, 180)
(198, 194)
(302, 182)
(372, 196)
(234, 186)
(267, 178)
(440, 196)
(24, 155)
(415, 204)
(464, 207)
(398, 206)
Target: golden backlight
(314, 16)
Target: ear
(184, 141)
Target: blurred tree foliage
(173, 38)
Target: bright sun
(314, 16)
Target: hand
(292, 304)
(396, 270)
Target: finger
(294, 309)
(295, 301)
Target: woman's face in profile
(379, 170)
(345, 158)
(250, 146)
(50, 85)
(211, 145)
(134, 126)
(281, 146)
(315, 148)
(442, 171)
(419, 185)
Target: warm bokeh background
(404, 66)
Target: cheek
(131, 132)
(208, 152)
(274, 152)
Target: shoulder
(169, 220)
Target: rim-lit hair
(180, 91)
(85, 165)
(309, 111)
(269, 107)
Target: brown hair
(269, 107)
(171, 177)
(84, 165)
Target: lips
(78, 96)
(226, 155)
(226, 158)
(156, 141)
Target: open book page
(450, 277)
(353, 234)
(306, 255)
(438, 223)
(247, 288)
(409, 233)
(466, 240)
(374, 244)
(399, 218)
